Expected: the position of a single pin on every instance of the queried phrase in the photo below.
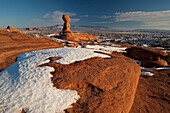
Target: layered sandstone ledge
(12, 44)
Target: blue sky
(114, 14)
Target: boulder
(153, 63)
(149, 57)
(66, 18)
(145, 53)
(72, 44)
(56, 35)
(168, 59)
(104, 85)
(14, 30)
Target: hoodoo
(69, 35)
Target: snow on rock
(145, 68)
(106, 48)
(137, 61)
(145, 45)
(146, 74)
(158, 68)
(24, 85)
(49, 35)
(108, 44)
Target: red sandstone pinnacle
(69, 35)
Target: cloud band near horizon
(155, 18)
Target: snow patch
(146, 74)
(166, 51)
(137, 61)
(49, 35)
(106, 48)
(159, 68)
(24, 85)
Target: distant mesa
(14, 30)
(69, 35)
(35, 28)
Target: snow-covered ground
(106, 48)
(25, 85)
(158, 68)
(146, 74)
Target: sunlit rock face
(69, 35)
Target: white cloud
(75, 20)
(84, 16)
(54, 18)
(106, 17)
(122, 28)
(46, 15)
(155, 18)
(133, 28)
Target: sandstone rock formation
(3, 31)
(14, 30)
(57, 35)
(153, 95)
(69, 35)
(149, 57)
(72, 44)
(104, 85)
(11, 44)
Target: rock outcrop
(104, 85)
(4, 31)
(69, 35)
(12, 44)
(152, 94)
(14, 30)
(149, 57)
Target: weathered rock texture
(153, 93)
(12, 44)
(69, 35)
(14, 30)
(104, 85)
(3, 31)
(149, 57)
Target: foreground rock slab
(104, 85)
